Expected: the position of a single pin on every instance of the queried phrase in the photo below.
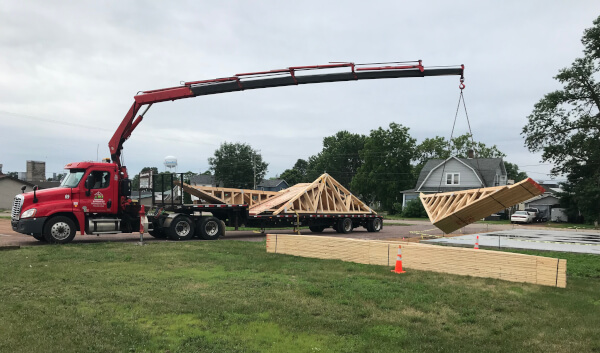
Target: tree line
(375, 167)
(565, 127)
(379, 166)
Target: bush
(414, 209)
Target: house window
(452, 178)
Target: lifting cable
(461, 98)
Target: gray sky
(69, 71)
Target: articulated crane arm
(297, 75)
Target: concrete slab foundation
(566, 241)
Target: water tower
(171, 162)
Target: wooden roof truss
(450, 211)
(228, 195)
(324, 195)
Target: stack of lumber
(228, 195)
(460, 261)
(450, 211)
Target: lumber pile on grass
(450, 211)
(460, 261)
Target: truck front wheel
(59, 230)
(181, 228)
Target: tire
(157, 233)
(181, 228)
(39, 237)
(59, 230)
(316, 229)
(345, 226)
(211, 228)
(374, 225)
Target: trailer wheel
(181, 228)
(345, 226)
(59, 230)
(211, 228)
(157, 233)
(374, 225)
(316, 229)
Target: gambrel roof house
(272, 185)
(455, 174)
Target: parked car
(522, 217)
(538, 216)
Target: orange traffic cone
(477, 243)
(398, 268)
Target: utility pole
(254, 168)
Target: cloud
(69, 71)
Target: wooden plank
(462, 261)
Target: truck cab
(87, 201)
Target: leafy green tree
(235, 164)
(298, 173)
(13, 174)
(340, 157)
(565, 127)
(439, 148)
(512, 171)
(386, 168)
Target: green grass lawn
(570, 225)
(230, 296)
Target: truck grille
(16, 209)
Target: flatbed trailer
(171, 217)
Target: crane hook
(462, 84)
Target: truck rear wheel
(345, 226)
(316, 229)
(157, 233)
(374, 225)
(181, 228)
(211, 228)
(59, 230)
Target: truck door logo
(98, 200)
(67, 196)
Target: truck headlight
(29, 213)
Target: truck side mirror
(23, 188)
(125, 185)
(89, 182)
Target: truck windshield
(73, 178)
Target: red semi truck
(95, 198)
